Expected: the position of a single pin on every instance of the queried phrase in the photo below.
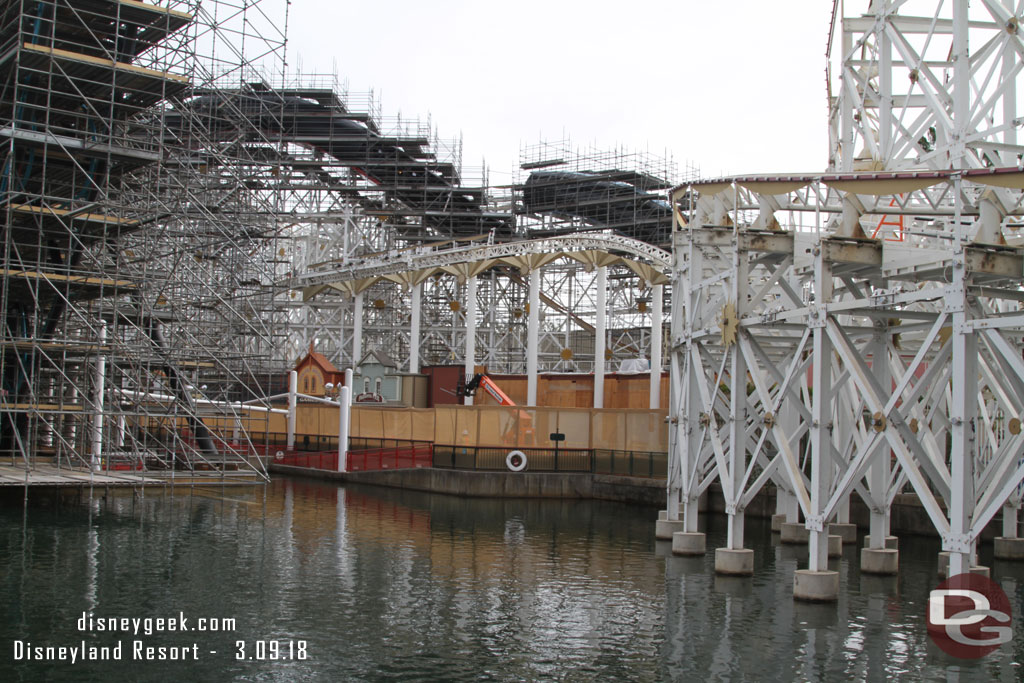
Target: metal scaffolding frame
(352, 302)
(130, 294)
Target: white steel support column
(847, 142)
(1010, 60)
(963, 445)
(676, 402)
(657, 301)
(344, 408)
(689, 309)
(600, 332)
(99, 387)
(357, 329)
(821, 413)
(964, 384)
(532, 338)
(470, 366)
(293, 399)
(737, 455)
(881, 467)
(690, 443)
(414, 328)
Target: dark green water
(376, 584)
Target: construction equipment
(490, 386)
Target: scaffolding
(609, 193)
(568, 189)
(131, 301)
(170, 192)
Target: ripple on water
(401, 585)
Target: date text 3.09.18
(270, 650)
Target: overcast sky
(730, 86)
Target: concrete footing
(777, 522)
(662, 514)
(793, 533)
(944, 567)
(835, 545)
(1008, 548)
(879, 561)
(891, 542)
(813, 586)
(848, 532)
(664, 528)
(688, 543)
(734, 562)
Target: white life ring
(515, 461)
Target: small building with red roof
(315, 371)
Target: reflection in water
(396, 584)
(735, 629)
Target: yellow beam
(41, 407)
(99, 61)
(71, 279)
(60, 213)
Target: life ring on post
(515, 461)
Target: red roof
(319, 359)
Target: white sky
(731, 86)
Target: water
(377, 584)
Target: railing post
(293, 388)
(343, 423)
(99, 382)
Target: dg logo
(969, 616)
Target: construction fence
(629, 442)
(470, 426)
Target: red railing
(409, 457)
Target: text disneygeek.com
(135, 648)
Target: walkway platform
(44, 475)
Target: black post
(556, 437)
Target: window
(377, 387)
(366, 385)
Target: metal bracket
(957, 543)
(817, 317)
(815, 523)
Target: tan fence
(472, 426)
(516, 427)
(397, 424)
